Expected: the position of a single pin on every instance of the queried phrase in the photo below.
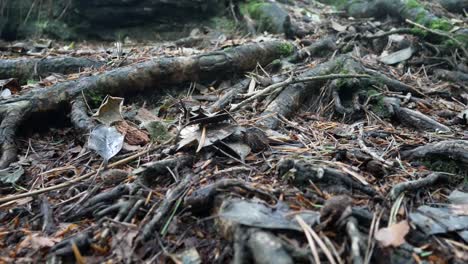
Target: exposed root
(79, 115)
(13, 116)
(429, 180)
(451, 149)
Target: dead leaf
(133, 135)
(242, 150)
(338, 27)
(144, 116)
(11, 175)
(5, 94)
(158, 130)
(214, 133)
(106, 141)
(110, 110)
(251, 86)
(397, 56)
(202, 140)
(11, 84)
(188, 256)
(393, 235)
(36, 242)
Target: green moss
(378, 105)
(286, 49)
(413, 4)
(94, 98)
(31, 82)
(440, 24)
(419, 32)
(445, 165)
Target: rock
(268, 16)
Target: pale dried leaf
(397, 56)
(110, 110)
(393, 235)
(106, 141)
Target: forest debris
(393, 235)
(452, 149)
(11, 175)
(187, 256)
(122, 242)
(37, 242)
(110, 110)
(357, 240)
(458, 197)
(257, 214)
(133, 135)
(214, 133)
(335, 209)
(5, 93)
(11, 84)
(106, 141)
(301, 172)
(432, 221)
(397, 56)
(427, 181)
(242, 150)
(418, 120)
(266, 248)
(158, 130)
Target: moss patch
(444, 165)
(94, 98)
(286, 49)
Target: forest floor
(363, 163)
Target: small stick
(292, 80)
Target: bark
(132, 79)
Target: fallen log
(133, 79)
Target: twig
(313, 248)
(355, 236)
(292, 80)
(370, 152)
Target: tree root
(301, 172)
(26, 69)
(130, 79)
(167, 204)
(202, 199)
(417, 184)
(451, 149)
(297, 93)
